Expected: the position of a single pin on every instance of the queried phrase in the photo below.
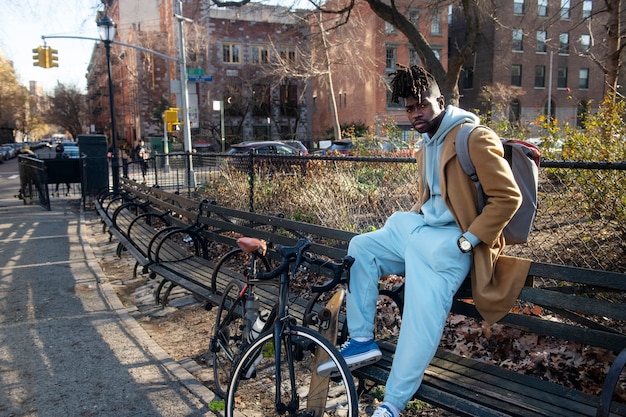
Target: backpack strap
(462, 153)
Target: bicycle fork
(282, 332)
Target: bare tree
(67, 109)
(321, 55)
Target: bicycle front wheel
(227, 335)
(253, 387)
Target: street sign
(200, 79)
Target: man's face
(423, 114)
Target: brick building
(259, 103)
(538, 54)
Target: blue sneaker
(356, 354)
(384, 411)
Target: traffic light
(39, 57)
(53, 58)
(170, 117)
(45, 57)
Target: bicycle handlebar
(296, 255)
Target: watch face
(465, 245)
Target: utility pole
(184, 93)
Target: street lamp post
(106, 29)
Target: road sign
(201, 79)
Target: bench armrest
(167, 250)
(612, 377)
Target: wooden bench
(577, 305)
(128, 216)
(471, 387)
(106, 203)
(223, 226)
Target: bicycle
(277, 369)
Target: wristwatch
(464, 244)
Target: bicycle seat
(251, 244)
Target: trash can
(96, 171)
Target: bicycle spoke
(255, 396)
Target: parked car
(266, 148)
(299, 146)
(341, 147)
(263, 148)
(6, 153)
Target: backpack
(524, 160)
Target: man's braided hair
(411, 81)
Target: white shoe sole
(328, 369)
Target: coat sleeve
(501, 191)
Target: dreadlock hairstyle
(411, 81)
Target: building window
(540, 76)
(394, 106)
(542, 46)
(260, 54)
(414, 16)
(518, 6)
(435, 24)
(262, 132)
(289, 100)
(565, 9)
(234, 104)
(564, 44)
(437, 51)
(583, 78)
(516, 75)
(389, 28)
(261, 100)
(414, 58)
(288, 54)
(587, 8)
(518, 40)
(468, 78)
(231, 53)
(390, 58)
(542, 8)
(585, 43)
(561, 77)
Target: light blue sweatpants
(433, 267)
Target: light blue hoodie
(435, 211)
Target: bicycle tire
(227, 336)
(256, 395)
(234, 260)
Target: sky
(24, 22)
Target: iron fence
(580, 218)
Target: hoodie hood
(453, 117)
(435, 211)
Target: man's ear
(442, 102)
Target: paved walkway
(67, 345)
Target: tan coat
(496, 279)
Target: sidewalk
(67, 345)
